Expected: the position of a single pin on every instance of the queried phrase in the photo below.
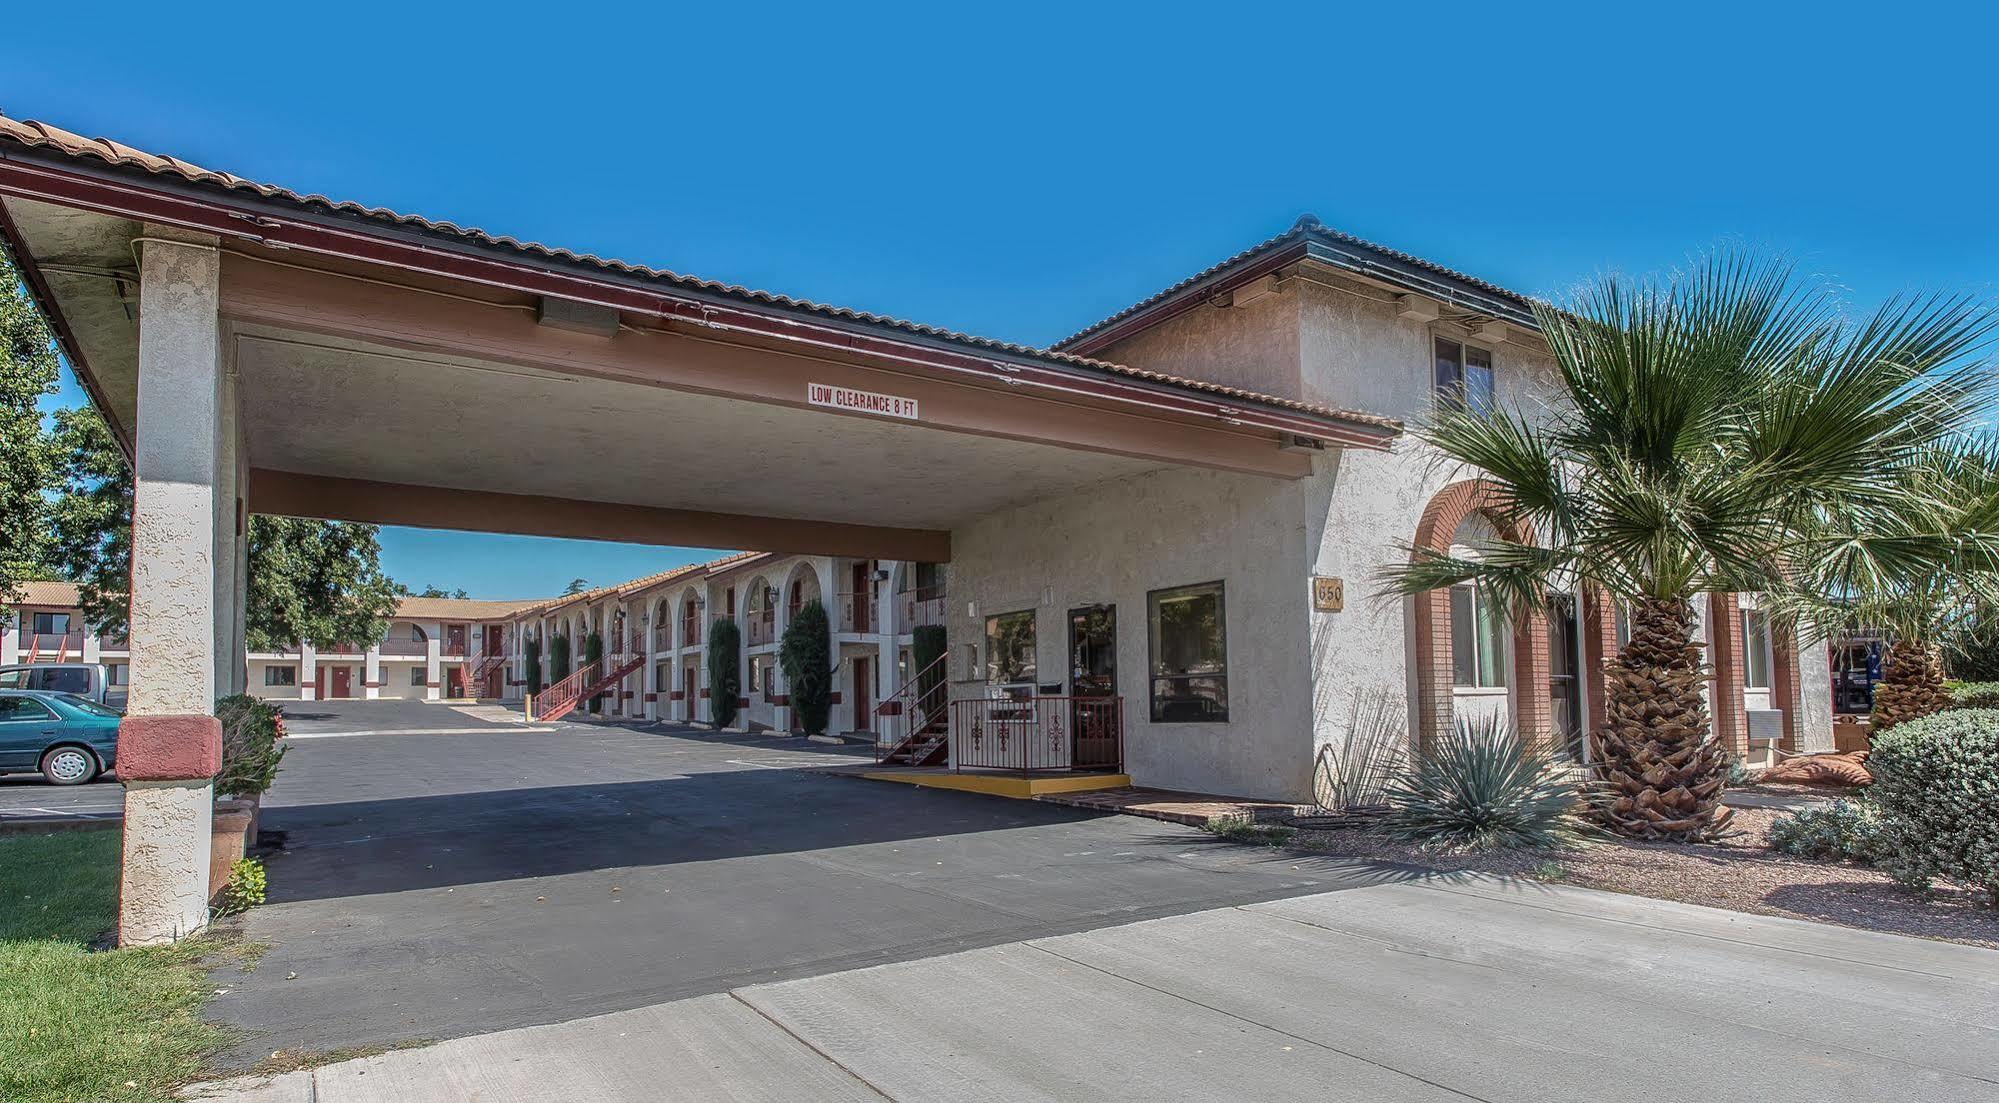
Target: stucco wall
(257, 688)
(1253, 346)
(1115, 542)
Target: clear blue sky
(1023, 170)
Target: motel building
(1160, 536)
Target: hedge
(1936, 783)
(725, 673)
(806, 655)
(1974, 695)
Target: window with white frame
(1478, 640)
(1464, 374)
(1755, 649)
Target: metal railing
(1038, 734)
(403, 648)
(924, 606)
(913, 709)
(761, 629)
(691, 632)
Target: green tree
(558, 659)
(593, 653)
(806, 655)
(317, 582)
(90, 508)
(532, 663)
(725, 673)
(439, 591)
(576, 586)
(1708, 422)
(27, 372)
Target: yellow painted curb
(1018, 788)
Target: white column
(10, 638)
(371, 673)
(308, 672)
(91, 647)
(433, 678)
(170, 742)
(649, 676)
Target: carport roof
(43, 138)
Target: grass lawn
(83, 1026)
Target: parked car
(70, 739)
(88, 680)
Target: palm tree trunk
(1662, 774)
(1911, 684)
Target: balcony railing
(404, 647)
(690, 632)
(924, 606)
(859, 613)
(761, 629)
(662, 638)
(46, 644)
(1038, 734)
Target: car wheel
(69, 766)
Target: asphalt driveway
(435, 886)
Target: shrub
(532, 663)
(1353, 771)
(245, 889)
(593, 652)
(251, 730)
(558, 658)
(1255, 834)
(1936, 782)
(1482, 787)
(1971, 653)
(1974, 695)
(1845, 829)
(806, 654)
(725, 673)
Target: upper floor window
(929, 579)
(1464, 374)
(51, 624)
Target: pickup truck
(90, 681)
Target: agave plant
(1706, 424)
(1483, 787)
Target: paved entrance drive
(439, 885)
(1449, 988)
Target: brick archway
(1528, 679)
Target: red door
(864, 684)
(454, 682)
(690, 696)
(343, 681)
(319, 683)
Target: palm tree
(1707, 421)
(1923, 574)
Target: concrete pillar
(170, 743)
(433, 672)
(308, 672)
(371, 673)
(10, 638)
(92, 649)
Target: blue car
(70, 739)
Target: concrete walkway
(1449, 988)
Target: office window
(1464, 374)
(1189, 655)
(51, 624)
(280, 675)
(1478, 640)
(1010, 650)
(1755, 649)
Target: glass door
(1564, 680)
(1093, 685)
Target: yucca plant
(1354, 770)
(1483, 787)
(1706, 425)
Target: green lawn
(83, 1026)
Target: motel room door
(1092, 676)
(864, 690)
(343, 681)
(690, 692)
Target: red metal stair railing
(589, 680)
(921, 717)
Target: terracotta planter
(227, 840)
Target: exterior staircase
(922, 717)
(486, 666)
(559, 700)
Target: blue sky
(1022, 170)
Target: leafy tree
(576, 586)
(558, 659)
(317, 582)
(532, 663)
(1709, 422)
(439, 591)
(593, 653)
(725, 674)
(90, 508)
(806, 655)
(27, 372)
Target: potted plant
(252, 746)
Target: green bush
(532, 664)
(251, 731)
(558, 659)
(1846, 829)
(1971, 654)
(806, 654)
(1974, 695)
(1936, 782)
(593, 652)
(725, 674)
(245, 889)
(1482, 787)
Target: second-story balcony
(403, 648)
(761, 628)
(859, 613)
(923, 606)
(54, 643)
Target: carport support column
(433, 671)
(308, 672)
(170, 743)
(371, 673)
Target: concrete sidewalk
(1454, 987)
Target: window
(929, 580)
(1188, 630)
(65, 679)
(1478, 643)
(51, 624)
(1464, 374)
(87, 706)
(417, 676)
(281, 675)
(23, 709)
(1621, 626)
(114, 675)
(1010, 650)
(1755, 649)
(13, 679)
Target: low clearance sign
(860, 402)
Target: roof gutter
(66, 183)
